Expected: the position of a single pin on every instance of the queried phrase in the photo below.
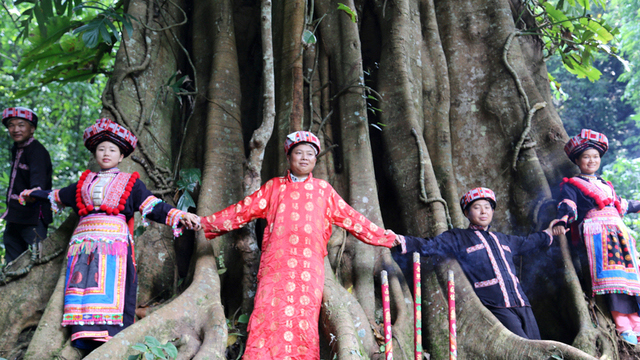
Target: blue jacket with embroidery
(485, 257)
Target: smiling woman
(590, 207)
(300, 211)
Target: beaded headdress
(106, 130)
(19, 112)
(301, 137)
(585, 140)
(477, 194)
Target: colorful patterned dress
(101, 281)
(284, 322)
(593, 210)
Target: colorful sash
(611, 252)
(96, 271)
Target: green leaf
(139, 231)
(133, 357)
(139, 347)
(348, 10)
(157, 351)
(149, 356)
(151, 341)
(602, 33)
(308, 38)
(222, 271)
(171, 350)
(557, 15)
(185, 202)
(243, 319)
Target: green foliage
(153, 349)
(55, 50)
(189, 179)
(625, 175)
(571, 31)
(349, 11)
(599, 106)
(64, 111)
(625, 14)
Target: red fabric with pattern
(284, 322)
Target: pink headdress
(301, 137)
(477, 194)
(585, 140)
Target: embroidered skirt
(100, 286)
(612, 253)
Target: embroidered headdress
(477, 194)
(585, 140)
(19, 112)
(106, 130)
(301, 137)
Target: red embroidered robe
(284, 322)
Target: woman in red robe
(300, 211)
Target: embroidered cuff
(624, 206)
(403, 245)
(173, 219)
(54, 199)
(25, 193)
(147, 206)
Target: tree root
(26, 298)
(485, 337)
(590, 339)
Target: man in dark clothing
(30, 168)
(486, 257)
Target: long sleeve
(633, 206)
(441, 245)
(523, 245)
(39, 168)
(252, 207)
(357, 224)
(58, 197)
(567, 208)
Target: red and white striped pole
(451, 296)
(386, 316)
(417, 306)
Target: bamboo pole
(451, 289)
(386, 315)
(417, 306)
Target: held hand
(191, 221)
(556, 229)
(24, 197)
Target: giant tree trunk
(417, 102)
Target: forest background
(32, 68)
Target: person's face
(589, 161)
(108, 155)
(302, 160)
(20, 130)
(480, 213)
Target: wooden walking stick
(451, 296)
(386, 315)
(417, 306)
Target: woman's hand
(191, 221)
(398, 241)
(556, 230)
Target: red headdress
(477, 194)
(585, 140)
(106, 130)
(301, 137)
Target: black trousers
(18, 237)
(519, 320)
